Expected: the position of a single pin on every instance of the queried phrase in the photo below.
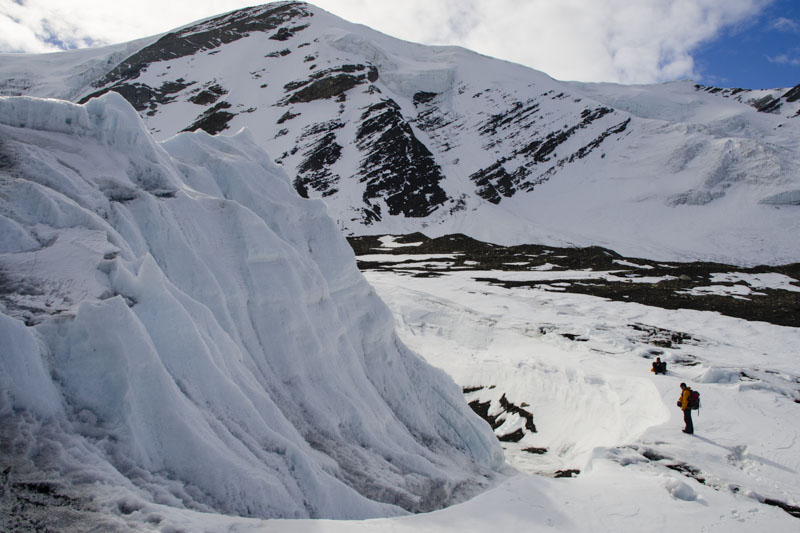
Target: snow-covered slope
(398, 137)
(179, 327)
(61, 75)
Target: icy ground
(583, 368)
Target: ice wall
(193, 333)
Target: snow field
(597, 407)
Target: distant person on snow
(659, 366)
(683, 403)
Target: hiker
(659, 366)
(683, 403)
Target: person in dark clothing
(683, 403)
(659, 366)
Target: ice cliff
(177, 326)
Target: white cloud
(784, 59)
(627, 41)
(641, 41)
(19, 38)
(787, 25)
(78, 23)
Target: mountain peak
(210, 34)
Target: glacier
(179, 327)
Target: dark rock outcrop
(208, 96)
(494, 183)
(329, 83)
(793, 94)
(503, 409)
(213, 120)
(143, 96)
(767, 104)
(314, 172)
(398, 167)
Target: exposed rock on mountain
(398, 168)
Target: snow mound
(719, 375)
(783, 198)
(680, 490)
(194, 334)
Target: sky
(730, 43)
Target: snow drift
(178, 326)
